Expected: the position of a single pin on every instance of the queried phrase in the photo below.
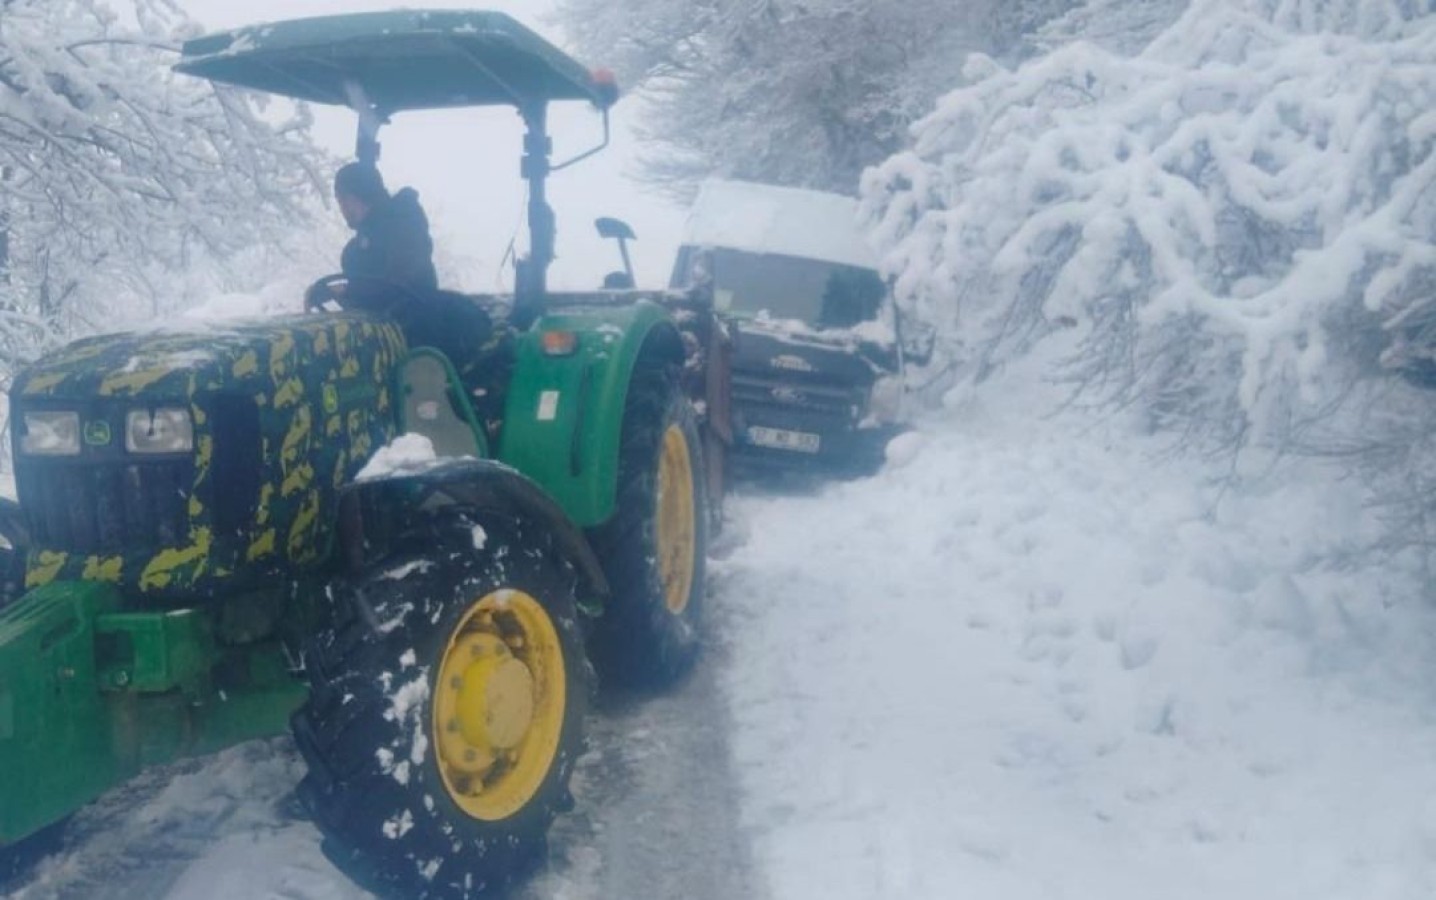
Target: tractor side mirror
(618, 230)
(614, 229)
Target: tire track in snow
(658, 810)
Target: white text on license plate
(801, 441)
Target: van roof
(765, 218)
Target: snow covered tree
(1223, 222)
(1122, 26)
(117, 175)
(799, 92)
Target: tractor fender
(564, 413)
(381, 515)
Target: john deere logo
(331, 399)
(97, 433)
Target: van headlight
(50, 433)
(163, 430)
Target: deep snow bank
(1033, 662)
(1227, 218)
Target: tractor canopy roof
(402, 60)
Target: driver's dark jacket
(390, 255)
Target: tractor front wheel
(446, 714)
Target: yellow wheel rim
(499, 704)
(677, 524)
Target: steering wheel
(323, 291)
(340, 290)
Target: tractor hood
(160, 365)
(161, 461)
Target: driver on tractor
(391, 253)
(388, 268)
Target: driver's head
(358, 188)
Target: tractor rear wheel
(446, 714)
(654, 548)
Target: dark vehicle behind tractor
(817, 364)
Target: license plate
(779, 439)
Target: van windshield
(821, 294)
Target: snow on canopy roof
(765, 218)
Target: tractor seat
(450, 322)
(432, 408)
(478, 343)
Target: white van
(816, 363)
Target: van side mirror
(917, 339)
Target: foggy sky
(465, 163)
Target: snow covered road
(1030, 660)
(656, 817)
(1036, 663)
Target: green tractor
(223, 538)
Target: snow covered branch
(113, 169)
(1224, 217)
(798, 93)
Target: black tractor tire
(396, 802)
(650, 631)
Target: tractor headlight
(164, 430)
(51, 434)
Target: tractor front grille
(108, 507)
